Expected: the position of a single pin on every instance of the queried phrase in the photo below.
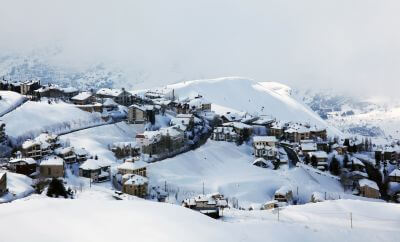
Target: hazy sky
(330, 44)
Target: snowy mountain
(246, 95)
(45, 66)
(355, 115)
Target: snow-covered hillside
(227, 168)
(34, 117)
(9, 100)
(247, 95)
(49, 220)
(374, 117)
(98, 140)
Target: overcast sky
(339, 44)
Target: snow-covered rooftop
(82, 96)
(109, 92)
(52, 160)
(369, 183)
(133, 165)
(136, 180)
(268, 139)
(29, 161)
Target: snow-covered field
(98, 140)
(46, 219)
(9, 100)
(227, 168)
(32, 118)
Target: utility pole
(203, 188)
(165, 186)
(325, 195)
(278, 214)
(351, 220)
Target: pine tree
(314, 161)
(346, 160)
(334, 167)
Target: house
(283, 194)
(307, 147)
(81, 155)
(28, 87)
(52, 167)
(135, 185)
(265, 140)
(204, 204)
(148, 141)
(199, 104)
(125, 149)
(67, 154)
(25, 166)
(368, 188)
(276, 129)
(261, 162)
(48, 141)
(96, 170)
(50, 91)
(231, 117)
(32, 149)
(83, 98)
(138, 114)
(120, 96)
(321, 159)
(270, 205)
(318, 133)
(138, 167)
(109, 104)
(267, 152)
(3, 183)
(70, 92)
(163, 141)
(224, 134)
(394, 176)
(297, 132)
(241, 129)
(183, 121)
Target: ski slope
(246, 95)
(72, 220)
(227, 168)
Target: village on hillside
(165, 125)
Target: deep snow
(47, 219)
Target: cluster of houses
(209, 204)
(44, 157)
(132, 177)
